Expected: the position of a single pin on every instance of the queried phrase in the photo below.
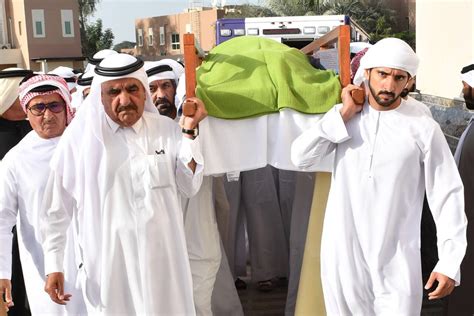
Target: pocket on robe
(158, 171)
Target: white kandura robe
(23, 175)
(203, 244)
(124, 183)
(384, 161)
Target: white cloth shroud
(252, 143)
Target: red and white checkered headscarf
(355, 62)
(46, 80)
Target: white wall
(444, 43)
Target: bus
(294, 31)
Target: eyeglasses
(40, 108)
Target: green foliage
(96, 38)
(124, 44)
(86, 9)
(249, 11)
(407, 36)
(93, 37)
(297, 7)
(372, 15)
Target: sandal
(265, 286)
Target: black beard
(381, 102)
(165, 107)
(469, 103)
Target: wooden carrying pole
(192, 59)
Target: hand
(55, 288)
(6, 288)
(191, 122)
(444, 288)
(349, 107)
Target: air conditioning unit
(6, 46)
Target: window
(162, 35)
(174, 41)
(150, 36)
(67, 23)
(38, 23)
(140, 37)
(323, 29)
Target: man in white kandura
(200, 227)
(388, 151)
(119, 168)
(23, 175)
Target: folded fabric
(250, 76)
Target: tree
(373, 15)
(86, 9)
(297, 7)
(124, 44)
(248, 11)
(96, 38)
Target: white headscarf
(100, 55)
(391, 53)
(168, 74)
(177, 68)
(92, 108)
(120, 60)
(67, 74)
(9, 88)
(468, 77)
(77, 96)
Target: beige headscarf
(9, 88)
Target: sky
(120, 15)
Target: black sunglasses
(40, 108)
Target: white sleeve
(8, 217)
(310, 148)
(187, 181)
(57, 214)
(445, 194)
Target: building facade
(40, 34)
(161, 36)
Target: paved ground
(256, 303)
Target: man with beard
(388, 151)
(200, 225)
(460, 302)
(163, 80)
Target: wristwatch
(193, 132)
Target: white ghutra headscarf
(391, 53)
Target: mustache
(387, 93)
(50, 120)
(162, 100)
(127, 107)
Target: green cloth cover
(249, 76)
